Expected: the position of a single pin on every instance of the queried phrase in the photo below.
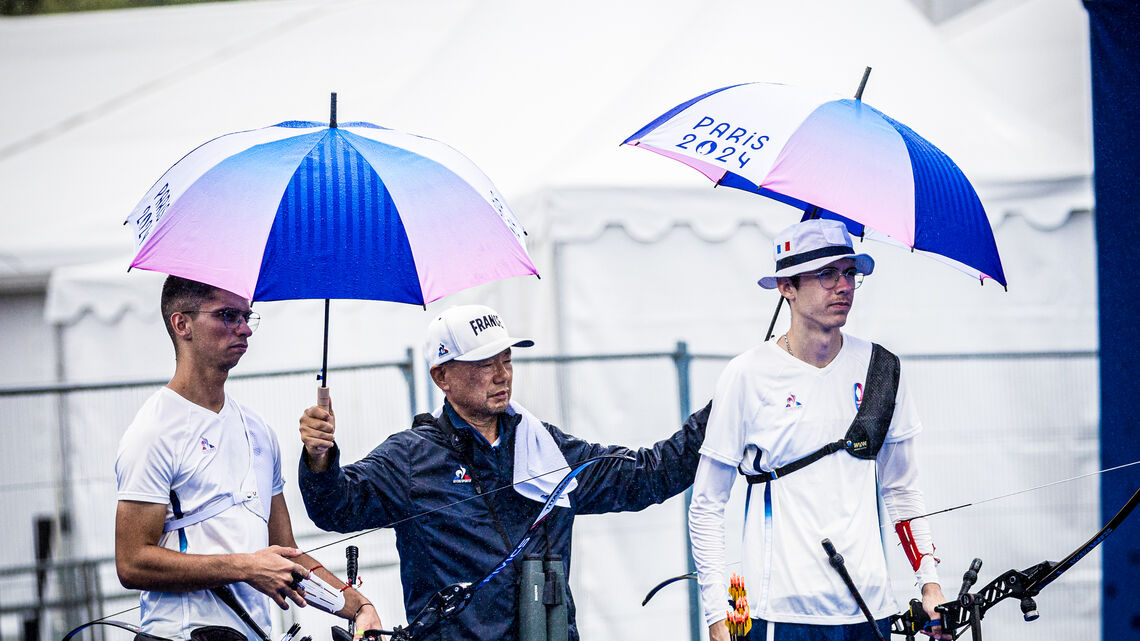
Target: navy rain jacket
(417, 470)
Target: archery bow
(969, 609)
(453, 599)
(693, 575)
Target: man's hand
(718, 631)
(931, 598)
(318, 427)
(367, 619)
(270, 571)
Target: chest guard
(865, 436)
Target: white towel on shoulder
(539, 464)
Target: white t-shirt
(769, 410)
(232, 457)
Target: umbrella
(312, 210)
(835, 158)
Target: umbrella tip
(332, 110)
(862, 84)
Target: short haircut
(181, 294)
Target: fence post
(66, 492)
(681, 359)
(409, 370)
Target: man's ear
(439, 375)
(786, 289)
(180, 323)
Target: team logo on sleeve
(461, 476)
(858, 391)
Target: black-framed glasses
(829, 277)
(231, 317)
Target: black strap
(867, 432)
(865, 436)
(463, 446)
(785, 470)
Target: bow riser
(969, 609)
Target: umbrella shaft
(325, 350)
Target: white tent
(636, 252)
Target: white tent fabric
(636, 252)
(537, 94)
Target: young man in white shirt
(779, 403)
(199, 487)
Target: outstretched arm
(656, 473)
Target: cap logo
(822, 252)
(443, 351)
(484, 323)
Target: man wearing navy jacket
(478, 442)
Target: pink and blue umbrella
(813, 149)
(304, 210)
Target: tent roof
(538, 95)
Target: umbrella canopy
(813, 149)
(308, 210)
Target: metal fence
(982, 412)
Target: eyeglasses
(829, 277)
(231, 317)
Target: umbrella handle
(324, 398)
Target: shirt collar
(507, 424)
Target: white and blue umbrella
(304, 210)
(819, 151)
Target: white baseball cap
(468, 333)
(810, 245)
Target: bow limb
(136, 630)
(657, 588)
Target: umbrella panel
(337, 233)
